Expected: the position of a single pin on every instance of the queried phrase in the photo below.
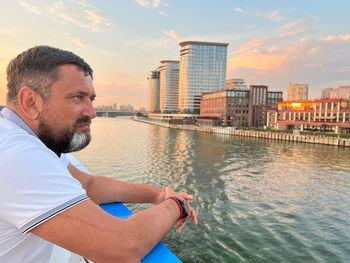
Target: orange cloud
(173, 34)
(314, 61)
(259, 61)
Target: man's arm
(92, 233)
(101, 189)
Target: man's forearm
(92, 233)
(101, 189)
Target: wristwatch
(182, 206)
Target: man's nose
(89, 110)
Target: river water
(257, 200)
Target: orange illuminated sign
(296, 106)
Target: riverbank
(257, 134)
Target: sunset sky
(270, 42)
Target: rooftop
(182, 44)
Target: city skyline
(270, 43)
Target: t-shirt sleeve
(64, 159)
(35, 184)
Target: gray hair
(37, 68)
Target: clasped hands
(169, 191)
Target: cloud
(298, 25)
(238, 10)
(31, 8)
(96, 18)
(77, 12)
(24, 4)
(294, 30)
(173, 34)
(144, 3)
(78, 16)
(273, 15)
(314, 61)
(258, 61)
(156, 3)
(78, 42)
(151, 3)
(83, 3)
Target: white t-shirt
(35, 185)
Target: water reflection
(257, 200)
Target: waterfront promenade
(257, 134)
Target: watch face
(184, 208)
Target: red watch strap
(178, 204)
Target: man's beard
(68, 141)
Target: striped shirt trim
(51, 213)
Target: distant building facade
(154, 83)
(169, 86)
(326, 93)
(126, 107)
(114, 106)
(202, 69)
(257, 106)
(229, 106)
(344, 93)
(142, 109)
(240, 107)
(236, 84)
(298, 92)
(274, 97)
(329, 115)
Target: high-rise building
(343, 93)
(169, 86)
(154, 87)
(237, 84)
(202, 69)
(257, 106)
(326, 93)
(298, 92)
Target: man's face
(64, 122)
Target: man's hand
(187, 198)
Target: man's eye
(78, 97)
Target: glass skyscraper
(154, 85)
(202, 69)
(169, 86)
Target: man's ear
(30, 102)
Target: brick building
(230, 106)
(257, 106)
(239, 107)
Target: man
(44, 199)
